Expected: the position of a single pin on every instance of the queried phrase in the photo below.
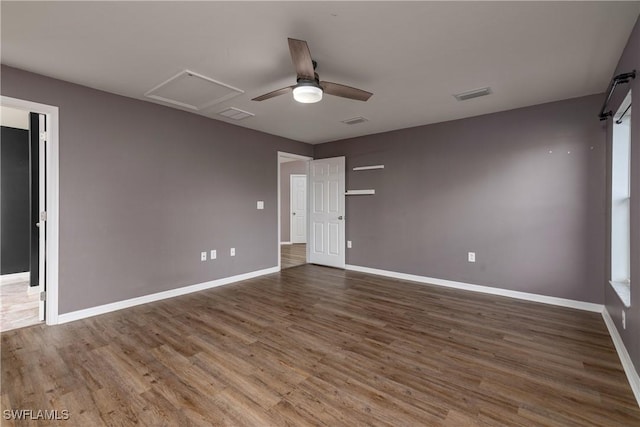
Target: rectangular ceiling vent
(355, 121)
(235, 113)
(193, 91)
(473, 94)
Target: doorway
(30, 296)
(292, 209)
(19, 290)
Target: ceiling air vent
(235, 113)
(472, 94)
(192, 90)
(355, 121)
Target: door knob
(293, 213)
(340, 218)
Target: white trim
(278, 201)
(286, 243)
(292, 156)
(7, 279)
(366, 168)
(235, 92)
(107, 308)
(625, 359)
(53, 191)
(43, 140)
(623, 290)
(580, 305)
(359, 192)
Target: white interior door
(42, 202)
(298, 208)
(326, 212)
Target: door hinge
(43, 296)
(43, 216)
(44, 136)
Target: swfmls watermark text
(36, 414)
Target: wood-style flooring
(293, 255)
(321, 346)
(18, 305)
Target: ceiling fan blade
(345, 91)
(301, 57)
(273, 94)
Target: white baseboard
(286, 243)
(625, 359)
(580, 305)
(106, 308)
(7, 279)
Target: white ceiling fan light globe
(307, 94)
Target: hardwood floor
(320, 346)
(18, 305)
(293, 255)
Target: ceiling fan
(309, 88)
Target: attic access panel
(192, 90)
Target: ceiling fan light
(307, 94)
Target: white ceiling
(413, 56)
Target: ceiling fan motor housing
(308, 91)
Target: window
(621, 202)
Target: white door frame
(52, 177)
(291, 225)
(42, 197)
(290, 156)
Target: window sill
(623, 290)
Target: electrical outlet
(214, 254)
(624, 320)
(203, 256)
(260, 204)
(471, 257)
(348, 244)
(232, 252)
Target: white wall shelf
(366, 168)
(359, 192)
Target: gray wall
(286, 170)
(145, 188)
(630, 60)
(524, 189)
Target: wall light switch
(214, 254)
(471, 257)
(348, 244)
(232, 252)
(260, 204)
(203, 256)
